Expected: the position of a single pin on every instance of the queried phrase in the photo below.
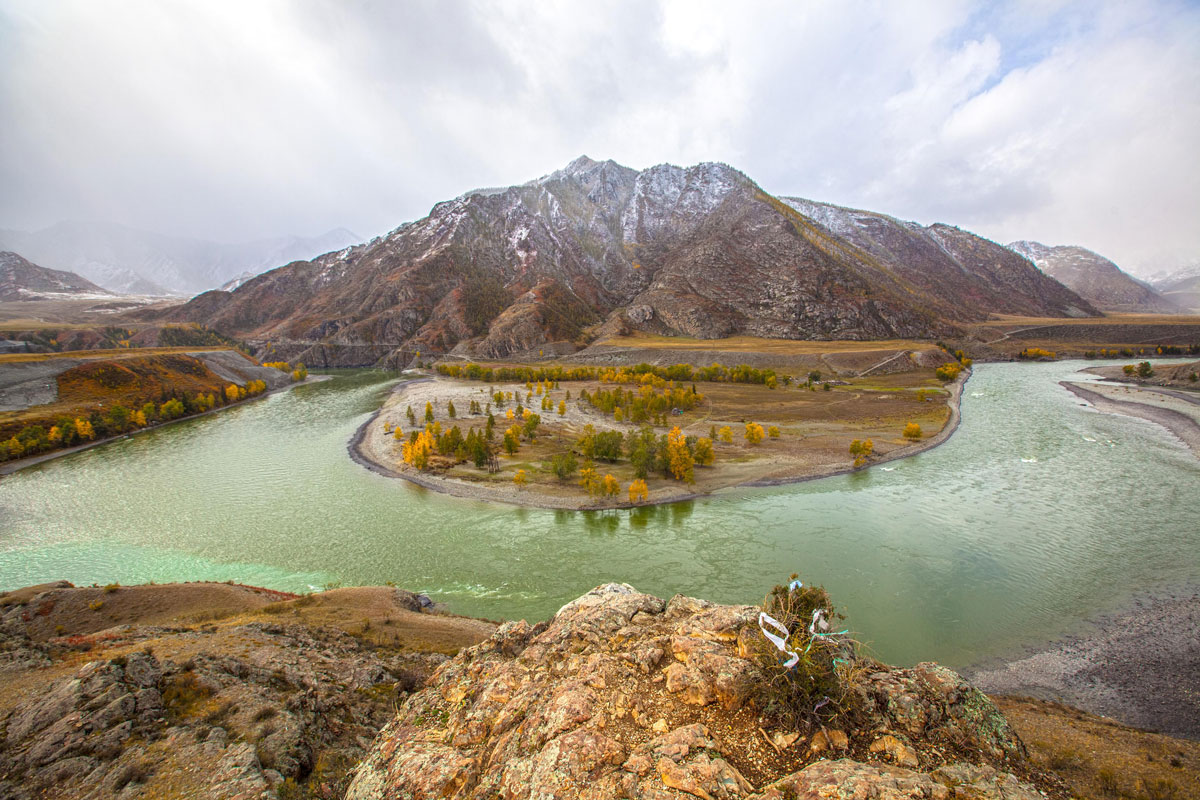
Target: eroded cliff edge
(623, 695)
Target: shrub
(816, 689)
(912, 431)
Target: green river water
(1037, 514)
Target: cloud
(1067, 122)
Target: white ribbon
(779, 642)
(818, 621)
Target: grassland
(753, 344)
(119, 353)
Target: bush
(816, 690)
(912, 431)
(564, 465)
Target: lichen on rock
(621, 694)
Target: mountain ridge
(1095, 278)
(21, 279)
(699, 251)
(130, 261)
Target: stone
(896, 750)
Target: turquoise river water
(1037, 514)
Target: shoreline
(1179, 424)
(358, 454)
(1138, 665)
(11, 467)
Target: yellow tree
(912, 431)
(231, 393)
(562, 408)
(612, 487)
(638, 491)
(704, 452)
(418, 451)
(15, 448)
(754, 433)
(139, 418)
(590, 481)
(861, 450)
(429, 412)
(519, 479)
(726, 434)
(679, 457)
(84, 429)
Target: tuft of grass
(111, 588)
(1160, 789)
(96, 605)
(184, 694)
(1106, 779)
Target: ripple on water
(960, 553)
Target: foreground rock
(251, 698)
(624, 695)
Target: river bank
(10, 467)
(1176, 411)
(376, 449)
(1139, 665)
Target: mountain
(1181, 287)
(1094, 278)
(139, 262)
(700, 251)
(21, 280)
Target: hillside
(130, 261)
(23, 280)
(699, 251)
(1095, 278)
(1182, 288)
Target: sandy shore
(1176, 411)
(1140, 666)
(380, 452)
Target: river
(1037, 514)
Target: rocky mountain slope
(700, 251)
(1094, 278)
(621, 694)
(23, 280)
(204, 690)
(1181, 287)
(130, 261)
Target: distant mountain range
(700, 251)
(130, 261)
(21, 280)
(1181, 287)
(1095, 278)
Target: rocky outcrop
(624, 695)
(251, 709)
(699, 251)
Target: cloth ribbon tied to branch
(780, 642)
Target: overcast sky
(1065, 122)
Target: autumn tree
(773, 432)
(861, 450)
(417, 451)
(84, 429)
(429, 411)
(638, 491)
(754, 433)
(612, 487)
(912, 431)
(451, 411)
(562, 408)
(519, 479)
(726, 434)
(531, 425)
(512, 440)
(590, 481)
(680, 456)
(704, 452)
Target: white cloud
(1067, 122)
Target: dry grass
(26, 358)
(753, 344)
(1011, 321)
(1101, 759)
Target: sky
(1064, 122)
